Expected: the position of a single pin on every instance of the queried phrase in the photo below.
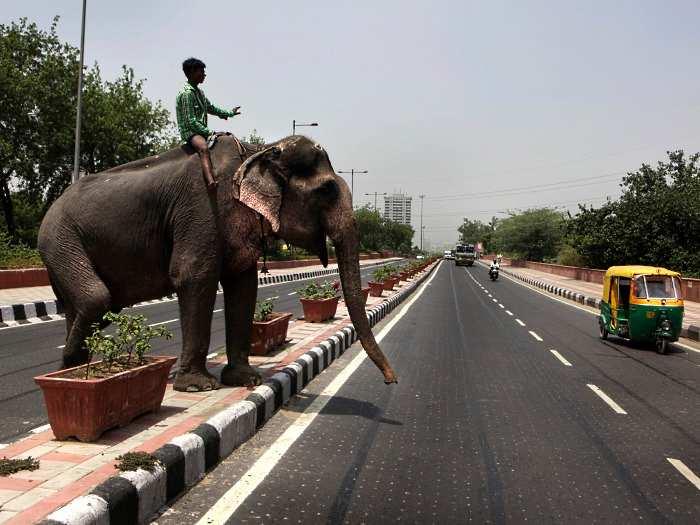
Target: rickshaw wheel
(661, 345)
(602, 330)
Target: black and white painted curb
(688, 331)
(31, 313)
(133, 497)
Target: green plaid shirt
(192, 107)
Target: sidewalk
(691, 318)
(70, 469)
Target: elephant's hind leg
(86, 300)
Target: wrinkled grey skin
(149, 228)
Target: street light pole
(421, 221)
(352, 181)
(295, 126)
(78, 119)
(375, 198)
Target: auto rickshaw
(643, 304)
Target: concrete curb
(689, 332)
(133, 497)
(30, 313)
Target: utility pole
(78, 119)
(352, 181)
(421, 221)
(296, 125)
(375, 198)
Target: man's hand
(236, 110)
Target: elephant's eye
(328, 190)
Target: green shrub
(313, 290)
(263, 309)
(17, 255)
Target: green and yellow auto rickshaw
(643, 304)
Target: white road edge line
(533, 334)
(560, 357)
(687, 473)
(40, 429)
(227, 505)
(602, 395)
(293, 293)
(520, 322)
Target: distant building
(397, 207)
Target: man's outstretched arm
(221, 113)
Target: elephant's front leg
(196, 306)
(240, 292)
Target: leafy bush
(17, 255)
(133, 338)
(263, 309)
(325, 290)
(380, 274)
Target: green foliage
(132, 339)
(254, 138)
(534, 235)
(472, 232)
(137, 460)
(325, 290)
(568, 256)
(655, 221)
(17, 255)
(377, 233)
(379, 274)
(264, 308)
(14, 465)
(37, 122)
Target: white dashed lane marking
(687, 473)
(520, 322)
(602, 395)
(537, 337)
(509, 312)
(499, 304)
(560, 357)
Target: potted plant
(377, 285)
(319, 301)
(269, 328)
(86, 400)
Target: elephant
(149, 228)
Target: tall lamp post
(352, 181)
(296, 125)
(421, 220)
(78, 119)
(375, 198)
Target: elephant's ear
(260, 182)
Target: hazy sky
(452, 99)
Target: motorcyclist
(494, 266)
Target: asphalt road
(486, 425)
(30, 350)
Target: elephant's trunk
(347, 253)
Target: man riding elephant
(149, 228)
(192, 108)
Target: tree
(397, 236)
(37, 117)
(655, 221)
(254, 138)
(534, 235)
(473, 232)
(369, 226)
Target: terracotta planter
(85, 408)
(388, 284)
(266, 335)
(404, 276)
(376, 289)
(319, 310)
(365, 293)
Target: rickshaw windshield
(657, 287)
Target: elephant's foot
(195, 381)
(75, 358)
(240, 374)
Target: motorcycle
(493, 273)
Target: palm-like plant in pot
(269, 327)
(376, 286)
(319, 301)
(86, 400)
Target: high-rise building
(397, 207)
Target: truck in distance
(464, 255)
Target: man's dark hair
(190, 65)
